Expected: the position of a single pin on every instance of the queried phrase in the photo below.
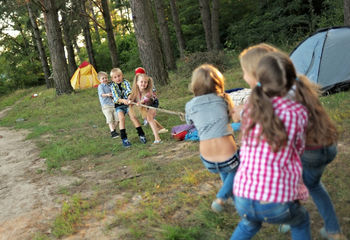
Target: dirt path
(27, 203)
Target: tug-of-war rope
(181, 115)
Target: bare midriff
(218, 149)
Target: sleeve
(187, 115)
(100, 90)
(127, 87)
(301, 132)
(114, 93)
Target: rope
(180, 114)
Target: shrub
(219, 59)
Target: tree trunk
(55, 42)
(72, 65)
(91, 8)
(215, 24)
(87, 35)
(177, 25)
(40, 47)
(165, 36)
(206, 21)
(110, 35)
(347, 12)
(148, 42)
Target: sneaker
(126, 142)
(163, 130)
(217, 205)
(157, 141)
(337, 236)
(145, 122)
(114, 134)
(284, 228)
(143, 139)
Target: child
(273, 138)
(121, 90)
(210, 111)
(160, 128)
(107, 104)
(321, 138)
(142, 93)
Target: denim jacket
(209, 115)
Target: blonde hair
(250, 57)
(101, 74)
(135, 92)
(208, 79)
(116, 70)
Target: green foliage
(181, 233)
(221, 60)
(70, 217)
(128, 52)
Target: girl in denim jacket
(210, 111)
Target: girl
(321, 139)
(142, 93)
(273, 138)
(160, 128)
(210, 111)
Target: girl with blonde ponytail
(210, 111)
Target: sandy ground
(27, 203)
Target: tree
(110, 35)
(165, 36)
(86, 31)
(347, 12)
(177, 26)
(93, 15)
(67, 35)
(40, 46)
(147, 40)
(55, 42)
(215, 24)
(206, 21)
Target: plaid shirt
(123, 93)
(273, 176)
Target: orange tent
(84, 77)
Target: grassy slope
(166, 192)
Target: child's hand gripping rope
(180, 114)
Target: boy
(107, 104)
(121, 90)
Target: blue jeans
(253, 213)
(314, 163)
(227, 171)
(122, 108)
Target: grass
(153, 192)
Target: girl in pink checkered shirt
(273, 138)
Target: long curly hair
(276, 75)
(208, 79)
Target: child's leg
(133, 117)
(121, 118)
(226, 190)
(152, 123)
(246, 229)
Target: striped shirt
(121, 91)
(273, 176)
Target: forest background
(75, 182)
(43, 38)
